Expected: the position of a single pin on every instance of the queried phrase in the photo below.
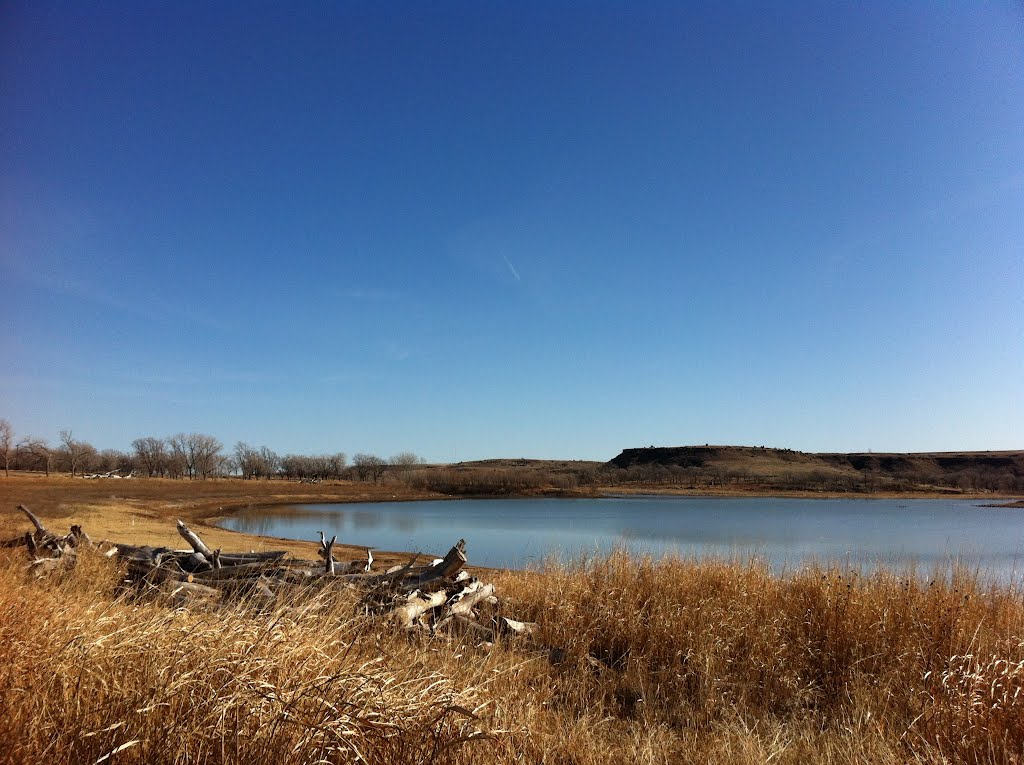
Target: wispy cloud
(511, 268)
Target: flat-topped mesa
(842, 471)
(683, 456)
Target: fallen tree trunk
(234, 559)
(241, 571)
(78, 537)
(407, 615)
(445, 568)
(182, 594)
(44, 566)
(159, 573)
(469, 597)
(440, 597)
(193, 539)
(40, 528)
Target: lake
(518, 533)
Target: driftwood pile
(439, 597)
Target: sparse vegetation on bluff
(759, 468)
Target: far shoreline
(143, 510)
(1010, 500)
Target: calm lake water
(518, 533)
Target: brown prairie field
(633, 660)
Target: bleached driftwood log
(193, 539)
(327, 553)
(464, 601)
(441, 597)
(40, 528)
(445, 568)
(417, 605)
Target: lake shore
(210, 500)
(143, 511)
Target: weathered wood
(358, 566)
(392, 575)
(444, 568)
(242, 571)
(40, 528)
(442, 591)
(157, 571)
(418, 605)
(141, 553)
(79, 538)
(233, 559)
(193, 539)
(327, 552)
(192, 561)
(43, 566)
(182, 594)
(197, 589)
(467, 599)
(508, 626)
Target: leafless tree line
(191, 456)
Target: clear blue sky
(514, 229)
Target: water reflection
(785, 532)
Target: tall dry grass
(85, 676)
(929, 667)
(635, 661)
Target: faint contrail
(511, 268)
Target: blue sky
(534, 229)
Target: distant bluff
(702, 456)
(966, 470)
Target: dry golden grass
(636, 661)
(84, 675)
(840, 666)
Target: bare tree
(403, 463)
(310, 467)
(336, 464)
(6, 441)
(77, 453)
(247, 460)
(111, 460)
(152, 455)
(178, 447)
(369, 466)
(255, 463)
(270, 462)
(38, 450)
(199, 452)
